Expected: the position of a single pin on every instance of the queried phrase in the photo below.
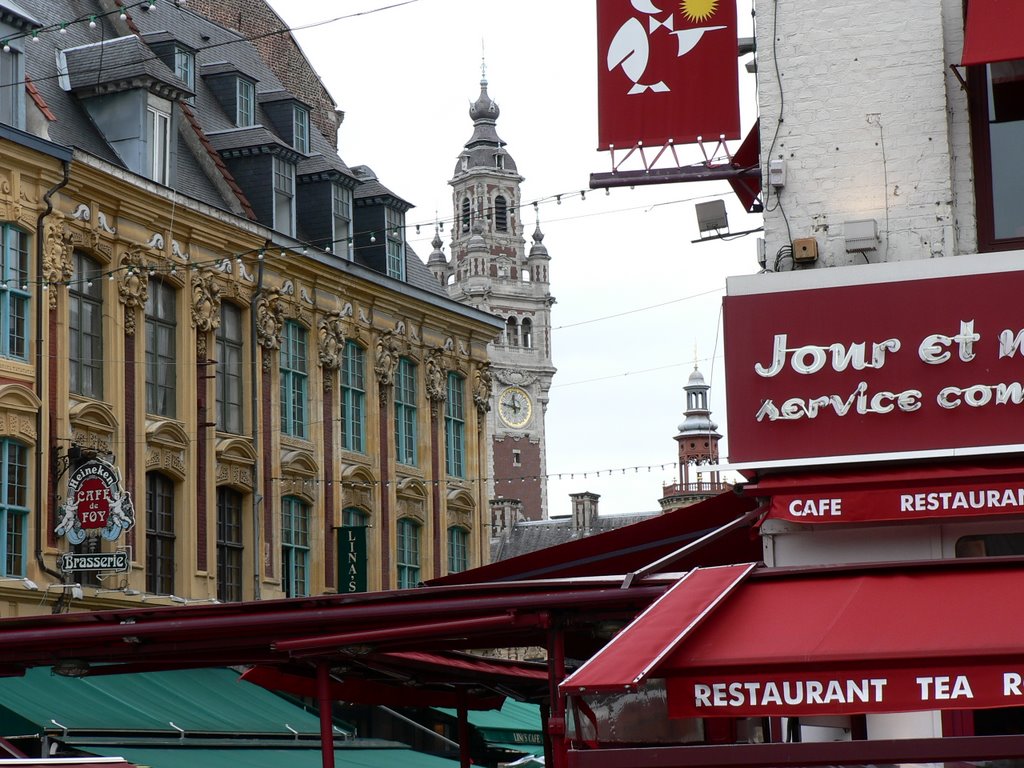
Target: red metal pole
(556, 717)
(323, 695)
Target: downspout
(257, 497)
(40, 357)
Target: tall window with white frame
(85, 327)
(12, 85)
(341, 206)
(160, 535)
(294, 380)
(229, 369)
(455, 426)
(13, 506)
(300, 129)
(405, 412)
(458, 549)
(294, 547)
(245, 103)
(284, 196)
(408, 556)
(394, 222)
(14, 296)
(230, 546)
(158, 137)
(161, 354)
(353, 396)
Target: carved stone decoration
(156, 242)
(482, 383)
(82, 213)
(205, 308)
(515, 376)
(58, 246)
(101, 222)
(386, 363)
(436, 389)
(178, 252)
(331, 333)
(133, 285)
(269, 322)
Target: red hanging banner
(667, 72)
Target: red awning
(942, 636)
(897, 493)
(630, 657)
(993, 31)
(631, 548)
(748, 188)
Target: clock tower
(492, 269)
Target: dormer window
(12, 86)
(185, 66)
(395, 237)
(158, 141)
(284, 197)
(245, 103)
(300, 129)
(341, 205)
(499, 160)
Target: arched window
(526, 333)
(13, 507)
(161, 355)
(294, 547)
(230, 545)
(159, 534)
(458, 549)
(85, 297)
(353, 395)
(500, 214)
(465, 214)
(511, 332)
(408, 555)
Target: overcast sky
(636, 301)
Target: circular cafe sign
(97, 505)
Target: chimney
(584, 510)
(505, 513)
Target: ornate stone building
(491, 269)
(200, 295)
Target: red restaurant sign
(667, 72)
(850, 692)
(898, 360)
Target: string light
(6, 46)
(92, 22)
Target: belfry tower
(491, 269)
(698, 445)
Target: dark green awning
(516, 725)
(264, 757)
(196, 701)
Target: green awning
(196, 701)
(263, 757)
(516, 725)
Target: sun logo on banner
(698, 10)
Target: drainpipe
(40, 372)
(257, 497)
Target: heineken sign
(97, 506)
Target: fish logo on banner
(666, 75)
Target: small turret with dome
(697, 439)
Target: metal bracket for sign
(717, 165)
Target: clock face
(514, 406)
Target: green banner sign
(352, 565)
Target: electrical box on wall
(805, 250)
(777, 173)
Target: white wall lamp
(25, 582)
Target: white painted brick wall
(873, 126)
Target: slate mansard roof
(118, 55)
